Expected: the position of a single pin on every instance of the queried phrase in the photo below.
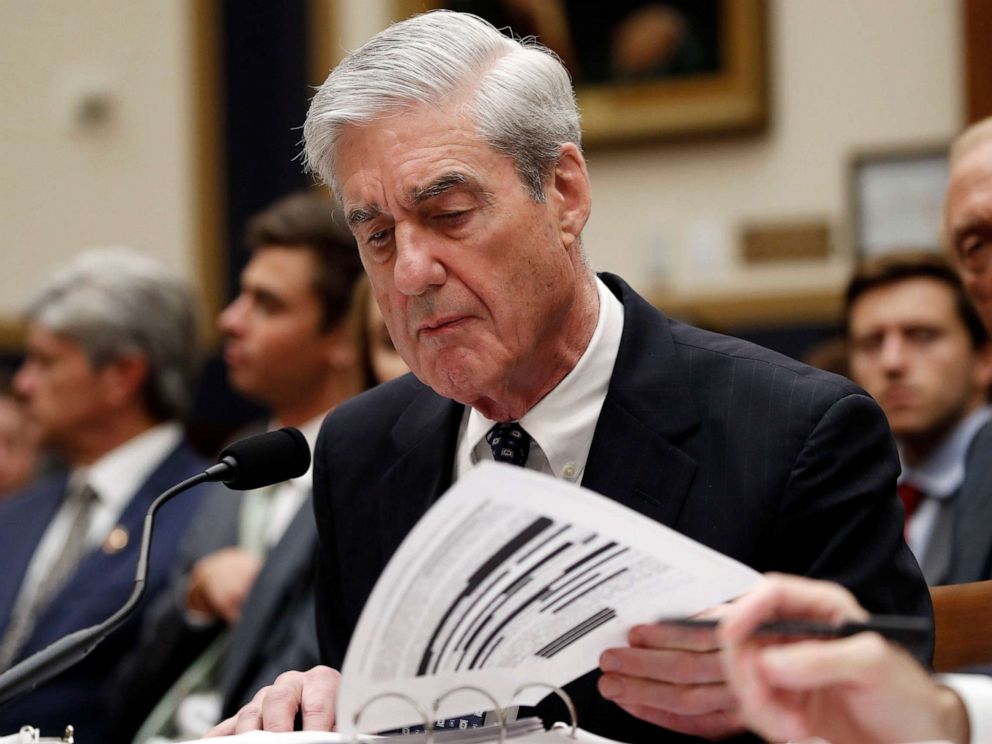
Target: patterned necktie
(911, 497)
(509, 443)
(79, 504)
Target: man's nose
(893, 353)
(417, 267)
(23, 382)
(232, 316)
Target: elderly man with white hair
(108, 374)
(456, 155)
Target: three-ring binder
(474, 735)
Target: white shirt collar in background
(289, 496)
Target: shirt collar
(562, 423)
(309, 430)
(941, 474)
(118, 474)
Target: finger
(224, 728)
(281, 702)
(762, 708)
(249, 718)
(680, 699)
(788, 597)
(670, 636)
(320, 699)
(711, 726)
(686, 667)
(811, 665)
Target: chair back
(962, 625)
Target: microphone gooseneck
(254, 462)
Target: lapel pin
(116, 541)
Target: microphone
(254, 462)
(273, 457)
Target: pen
(904, 629)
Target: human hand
(313, 693)
(672, 676)
(220, 582)
(859, 689)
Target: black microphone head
(262, 460)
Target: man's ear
(569, 192)
(123, 379)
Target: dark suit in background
(99, 587)
(971, 547)
(275, 632)
(773, 463)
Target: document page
(515, 577)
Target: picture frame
(896, 198)
(726, 93)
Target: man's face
(476, 281)
(275, 350)
(64, 394)
(968, 224)
(910, 349)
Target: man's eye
(974, 252)
(455, 217)
(923, 335)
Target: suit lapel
(86, 591)
(23, 521)
(972, 543)
(425, 437)
(635, 458)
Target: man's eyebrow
(361, 215)
(438, 186)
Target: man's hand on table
(312, 693)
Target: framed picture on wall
(645, 69)
(897, 198)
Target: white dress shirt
(562, 423)
(290, 495)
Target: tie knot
(510, 443)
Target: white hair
(518, 90)
(115, 302)
(977, 134)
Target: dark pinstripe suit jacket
(771, 462)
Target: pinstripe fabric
(771, 462)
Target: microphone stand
(68, 650)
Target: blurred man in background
(111, 357)
(241, 605)
(917, 345)
(862, 688)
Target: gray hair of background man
(518, 90)
(116, 303)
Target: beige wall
(845, 74)
(66, 186)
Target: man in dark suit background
(240, 604)
(111, 356)
(456, 156)
(917, 345)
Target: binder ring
(428, 723)
(565, 698)
(500, 714)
